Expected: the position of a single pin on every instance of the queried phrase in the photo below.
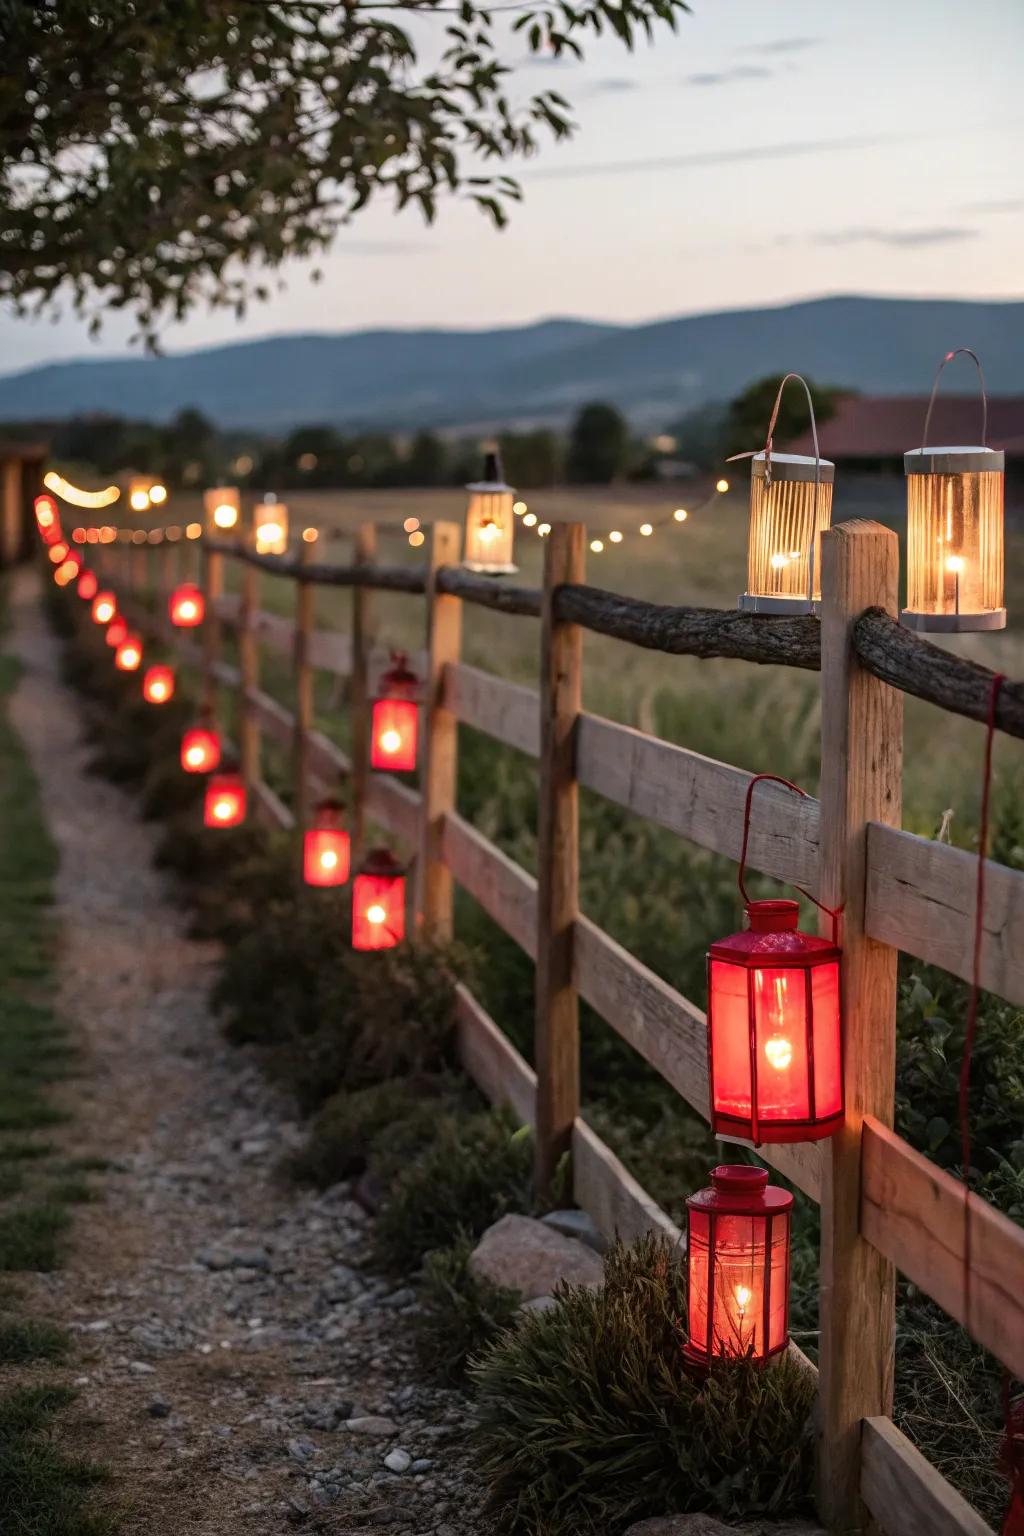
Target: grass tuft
(23, 1340)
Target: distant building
(872, 432)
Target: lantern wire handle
(773, 778)
(957, 352)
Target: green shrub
(26, 1339)
(393, 1119)
(476, 1169)
(461, 1314)
(588, 1419)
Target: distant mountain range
(536, 373)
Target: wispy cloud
(784, 45)
(609, 87)
(730, 76)
(713, 157)
(897, 239)
(995, 205)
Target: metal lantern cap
(741, 1188)
(382, 864)
(954, 461)
(793, 466)
(493, 480)
(399, 678)
(330, 806)
(773, 939)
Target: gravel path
(241, 1370)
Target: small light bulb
(328, 859)
(778, 562)
(390, 741)
(193, 530)
(416, 539)
(411, 524)
(158, 691)
(597, 545)
(376, 913)
(188, 609)
(615, 536)
(646, 529)
(530, 520)
(743, 1294)
(721, 486)
(519, 507)
(955, 563)
(543, 529)
(195, 756)
(139, 501)
(779, 1052)
(490, 531)
(680, 514)
(158, 494)
(222, 810)
(225, 515)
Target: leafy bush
(589, 1420)
(475, 1170)
(388, 1121)
(461, 1313)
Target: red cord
(758, 778)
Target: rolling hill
(541, 372)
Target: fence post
(440, 763)
(213, 586)
(248, 675)
(861, 781)
(304, 600)
(363, 629)
(556, 1020)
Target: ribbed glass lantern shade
(222, 505)
(788, 515)
(738, 1267)
(394, 729)
(326, 847)
(158, 684)
(186, 606)
(270, 528)
(490, 523)
(954, 539)
(378, 902)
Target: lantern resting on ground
(224, 804)
(490, 523)
(378, 902)
(326, 849)
(774, 1030)
(394, 730)
(738, 1267)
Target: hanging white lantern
(790, 508)
(955, 531)
(270, 527)
(490, 523)
(223, 507)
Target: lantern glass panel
(326, 856)
(394, 733)
(378, 903)
(954, 539)
(222, 505)
(787, 518)
(270, 528)
(158, 685)
(828, 1054)
(187, 606)
(200, 750)
(225, 801)
(490, 529)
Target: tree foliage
(151, 155)
(598, 444)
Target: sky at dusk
(770, 150)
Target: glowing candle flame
(328, 859)
(779, 1052)
(390, 741)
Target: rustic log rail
(884, 1206)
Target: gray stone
(707, 1525)
(537, 1304)
(301, 1450)
(158, 1408)
(529, 1257)
(398, 1460)
(579, 1225)
(372, 1424)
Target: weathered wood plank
(269, 808)
(670, 1033)
(278, 721)
(506, 892)
(608, 1192)
(913, 1212)
(395, 806)
(905, 1493)
(491, 1059)
(327, 762)
(507, 711)
(920, 898)
(700, 799)
(441, 740)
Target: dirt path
(232, 1339)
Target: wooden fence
(884, 1207)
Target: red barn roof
(886, 426)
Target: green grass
(43, 1492)
(23, 1340)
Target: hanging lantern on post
(200, 745)
(326, 848)
(955, 530)
(104, 607)
(225, 801)
(117, 631)
(158, 684)
(47, 520)
(186, 606)
(128, 656)
(490, 523)
(378, 902)
(790, 509)
(223, 508)
(87, 585)
(270, 526)
(737, 1262)
(775, 1059)
(395, 725)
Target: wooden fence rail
(884, 1206)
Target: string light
(158, 494)
(76, 496)
(530, 520)
(519, 508)
(411, 524)
(416, 539)
(193, 530)
(310, 535)
(680, 514)
(543, 529)
(646, 529)
(615, 537)
(721, 486)
(597, 545)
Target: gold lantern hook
(957, 352)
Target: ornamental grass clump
(589, 1421)
(460, 1313)
(387, 1123)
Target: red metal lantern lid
(740, 1188)
(382, 864)
(328, 812)
(773, 938)
(399, 681)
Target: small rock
(529, 1257)
(140, 1368)
(372, 1424)
(422, 1464)
(400, 1298)
(398, 1460)
(301, 1450)
(158, 1408)
(579, 1225)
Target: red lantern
(395, 718)
(200, 746)
(128, 656)
(737, 1263)
(774, 1030)
(326, 850)
(225, 802)
(47, 520)
(87, 585)
(378, 902)
(59, 551)
(104, 607)
(117, 632)
(187, 606)
(158, 684)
